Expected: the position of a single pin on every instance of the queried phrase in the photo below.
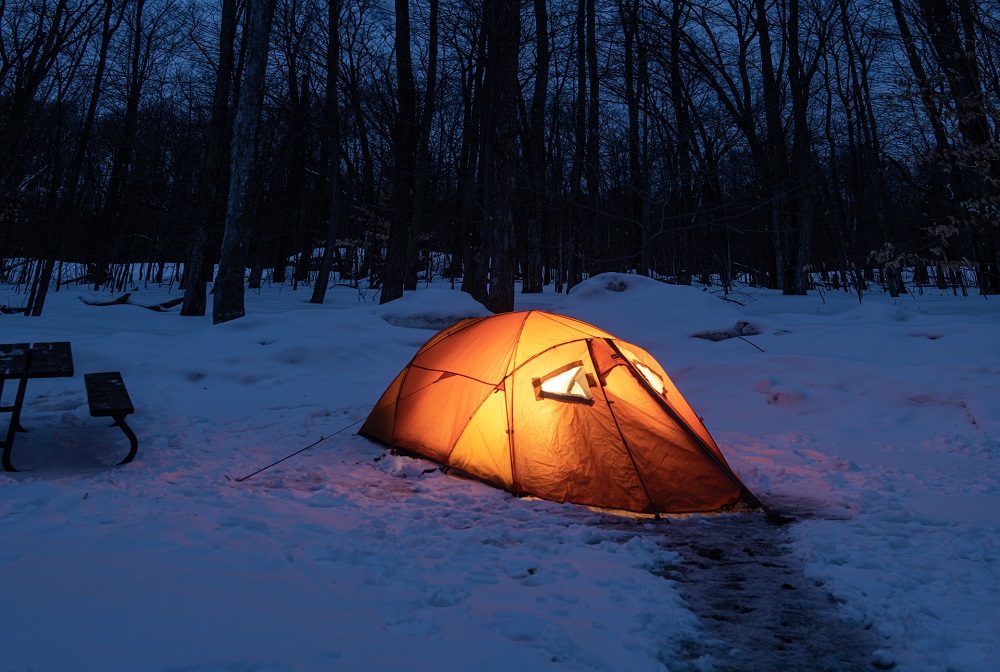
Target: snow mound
(618, 287)
(646, 311)
(433, 309)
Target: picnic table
(106, 393)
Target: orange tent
(545, 405)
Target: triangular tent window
(652, 377)
(568, 384)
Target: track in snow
(761, 613)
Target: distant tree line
(778, 141)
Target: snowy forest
(778, 143)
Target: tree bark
(213, 186)
(332, 140)
(504, 20)
(531, 282)
(229, 287)
(578, 165)
(474, 255)
(422, 149)
(797, 275)
(775, 172)
(633, 82)
(593, 161)
(404, 145)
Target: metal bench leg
(120, 422)
(14, 425)
(7, 445)
(15, 418)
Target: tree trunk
(474, 256)
(686, 214)
(422, 149)
(578, 165)
(332, 139)
(404, 144)
(112, 224)
(593, 162)
(775, 172)
(797, 275)
(213, 186)
(637, 186)
(531, 282)
(505, 38)
(229, 287)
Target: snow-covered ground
(875, 425)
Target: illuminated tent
(545, 405)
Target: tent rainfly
(545, 405)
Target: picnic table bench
(106, 393)
(107, 397)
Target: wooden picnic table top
(13, 359)
(39, 360)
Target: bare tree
(229, 285)
(213, 185)
(535, 152)
(404, 156)
(422, 163)
(504, 21)
(331, 151)
(111, 19)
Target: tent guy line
(291, 455)
(311, 445)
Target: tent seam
(618, 427)
(509, 401)
(690, 432)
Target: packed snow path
(760, 612)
